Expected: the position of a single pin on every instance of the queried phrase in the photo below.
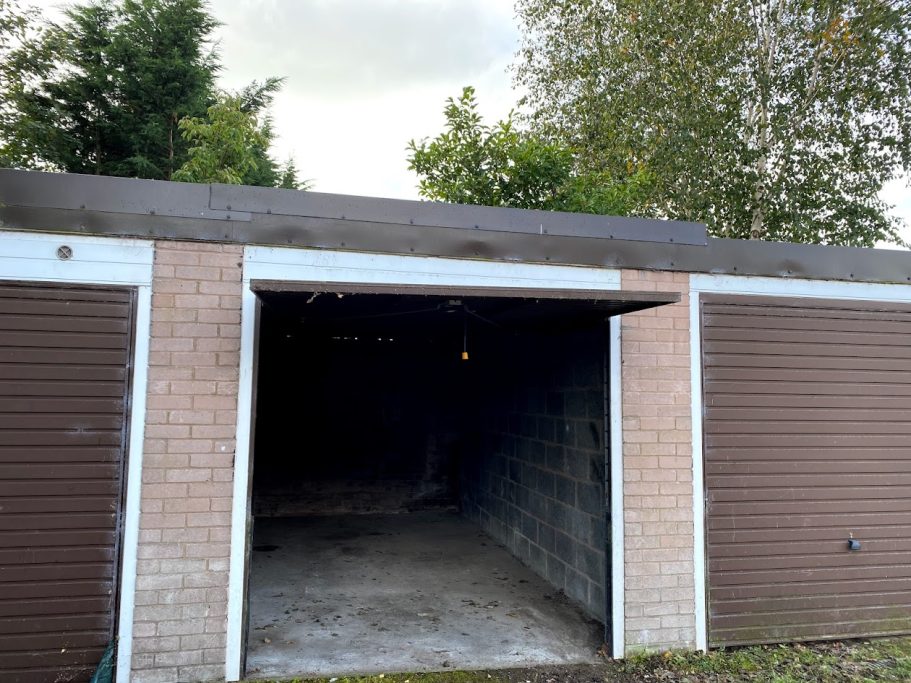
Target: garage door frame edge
(318, 265)
(615, 456)
(756, 286)
(124, 263)
(696, 408)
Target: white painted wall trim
(95, 260)
(240, 509)
(134, 482)
(699, 567)
(102, 261)
(617, 533)
(758, 286)
(310, 265)
(820, 289)
(282, 263)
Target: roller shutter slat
(721, 537)
(784, 521)
(38, 607)
(73, 357)
(735, 594)
(69, 373)
(88, 554)
(67, 323)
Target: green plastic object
(105, 671)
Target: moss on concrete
(883, 660)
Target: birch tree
(765, 119)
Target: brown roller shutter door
(65, 357)
(807, 444)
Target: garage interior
(428, 483)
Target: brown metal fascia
(718, 256)
(238, 203)
(73, 191)
(271, 201)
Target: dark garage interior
(428, 482)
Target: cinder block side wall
(657, 468)
(536, 480)
(182, 576)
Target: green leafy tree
(12, 22)
(772, 119)
(103, 92)
(164, 70)
(473, 163)
(231, 144)
(288, 178)
(257, 98)
(20, 25)
(222, 145)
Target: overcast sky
(366, 76)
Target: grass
(428, 677)
(886, 660)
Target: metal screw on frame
(64, 252)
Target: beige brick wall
(184, 544)
(657, 467)
(182, 576)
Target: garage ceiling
(382, 309)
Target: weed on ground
(886, 660)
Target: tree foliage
(103, 92)
(19, 24)
(773, 119)
(288, 177)
(231, 144)
(16, 23)
(127, 88)
(221, 145)
(473, 163)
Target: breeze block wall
(657, 466)
(182, 575)
(535, 478)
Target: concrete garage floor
(412, 592)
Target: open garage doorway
(429, 481)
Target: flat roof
(127, 207)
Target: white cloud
(364, 77)
(348, 48)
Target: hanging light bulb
(465, 339)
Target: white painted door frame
(756, 286)
(33, 257)
(309, 265)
